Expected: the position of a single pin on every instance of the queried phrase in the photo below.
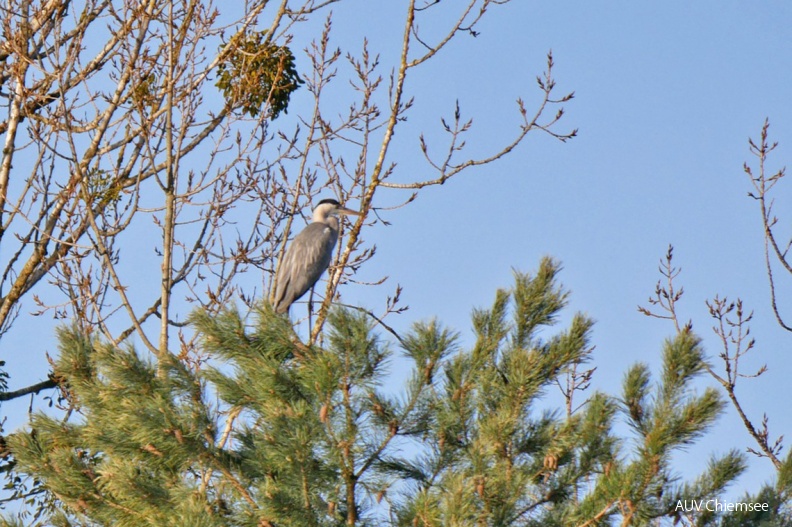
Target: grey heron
(309, 254)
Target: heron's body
(309, 255)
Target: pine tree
(271, 432)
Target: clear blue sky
(666, 98)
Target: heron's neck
(331, 221)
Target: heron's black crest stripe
(330, 201)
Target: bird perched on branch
(309, 254)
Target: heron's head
(330, 207)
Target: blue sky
(666, 98)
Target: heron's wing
(306, 259)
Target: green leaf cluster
(641, 486)
(103, 189)
(258, 74)
(496, 457)
(130, 456)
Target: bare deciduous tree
(732, 329)
(763, 182)
(132, 127)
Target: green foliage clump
(144, 93)
(126, 461)
(668, 417)
(103, 189)
(257, 73)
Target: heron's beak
(347, 212)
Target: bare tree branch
(34, 388)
